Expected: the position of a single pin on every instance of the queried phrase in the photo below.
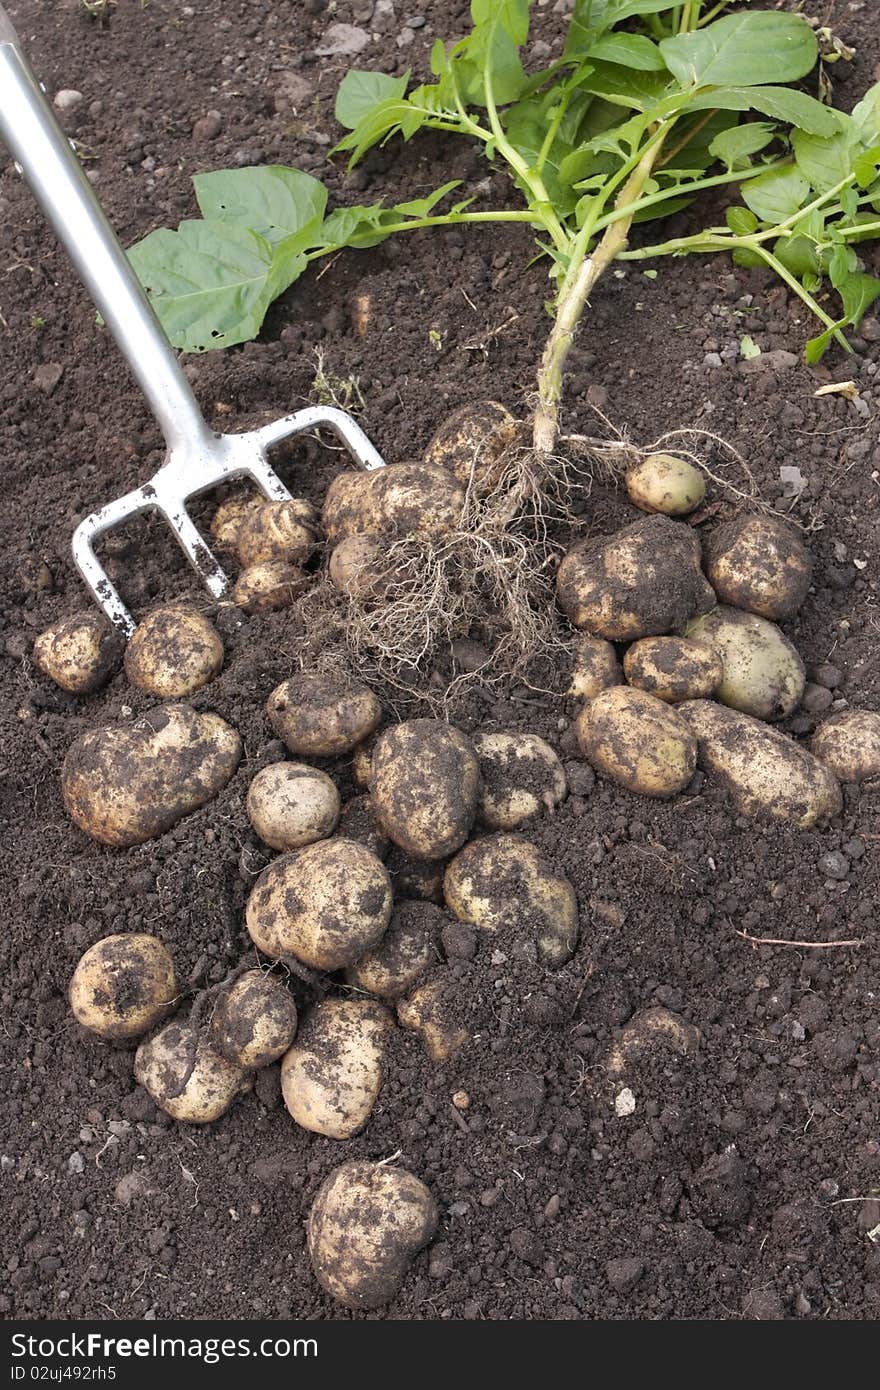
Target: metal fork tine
(199, 554)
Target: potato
(848, 744)
(362, 762)
(503, 882)
(664, 483)
(291, 804)
(414, 879)
(358, 822)
(595, 668)
(367, 1222)
(673, 668)
(350, 506)
(650, 1030)
(254, 1021)
(127, 784)
(356, 566)
(269, 587)
(637, 741)
(231, 515)
(406, 952)
(761, 564)
(79, 653)
(643, 581)
(325, 905)
(425, 787)
(173, 652)
(417, 499)
(766, 773)
(331, 1077)
(286, 531)
(162, 1062)
(763, 674)
(322, 715)
(521, 777)
(123, 985)
(430, 1012)
(471, 443)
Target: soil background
(746, 1182)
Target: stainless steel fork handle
(54, 175)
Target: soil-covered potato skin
(331, 1076)
(128, 784)
(162, 1062)
(595, 667)
(270, 586)
(320, 715)
(425, 787)
(673, 668)
(417, 499)
(278, 531)
(763, 674)
(406, 952)
(522, 776)
(638, 741)
(848, 744)
(79, 653)
(472, 441)
(230, 516)
(173, 652)
(254, 1021)
(123, 986)
(655, 1029)
(759, 563)
(431, 1012)
(292, 804)
(664, 483)
(350, 507)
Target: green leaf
(741, 222)
(824, 161)
(866, 115)
(623, 86)
(797, 254)
(422, 207)
(858, 293)
(360, 91)
(776, 195)
(512, 16)
(748, 348)
(867, 166)
(817, 347)
(743, 50)
(591, 18)
(779, 103)
(278, 203)
(381, 122)
(630, 50)
(735, 146)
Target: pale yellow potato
(595, 668)
(765, 772)
(321, 715)
(501, 882)
(123, 985)
(79, 653)
(350, 506)
(162, 1062)
(358, 822)
(254, 1020)
(425, 786)
(759, 563)
(430, 1012)
(356, 566)
(367, 1223)
(332, 1075)
(406, 952)
(664, 483)
(286, 531)
(522, 776)
(848, 744)
(362, 762)
(673, 668)
(230, 516)
(763, 674)
(417, 499)
(325, 905)
(291, 805)
(269, 587)
(637, 741)
(173, 652)
(472, 442)
(128, 784)
(655, 1029)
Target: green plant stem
(794, 284)
(734, 176)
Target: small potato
(325, 905)
(763, 674)
(79, 653)
(502, 882)
(521, 777)
(331, 1077)
(162, 1062)
(425, 787)
(285, 531)
(269, 587)
(417, 499)
(406, 952)
(254, 1021)
(230, 516)
(128, 784)
(173, 652)
(122, 986)
(848, 744)
(471, 443)
(637, 741)
(664, 483)
(595, 668)
(291, 804)
(652, 1030)
(430, 1011)
(761, 564)
(358, 822)
(367, 1223)
(350, 507)
(673, 668)
(766, 773)
(321, 715)
(643, 581)
(356, 566)
(416, 880)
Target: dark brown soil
(746, 1182)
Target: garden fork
(197, 458)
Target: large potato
(367, 1223)
(173, 652)
(472, 442)
(291, 805)
(425, 786)
(763, 674)
(637, 741)
(123, 985)
(640, 582)
(325, 905)
(417, 499)
(268, 587)
(503, 883)
(331, 1077)
(162, 1062)
(759, 563)
(278, 531)
(521, 776)
(350, 507)
(849, 744)
(432, 1012)
(407, 950)
(127, 784)
(79, 653)
(321, 715)
(766, 773)
(673, 668)
(358, 566)
(664, 483)
(595, 667)
(254, 1021)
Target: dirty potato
(664, 483)
(471, 443)
(196, 1094)
(655, 1029)
(331, 1076)
(79, 653)
(254, 1021)
(673, 668)
(406, 952)
(350, 507)
(763, 674)
(278, 531)
(230, 516)
(425, 786)
(292, 804)
(269, 587)
(357, 566)
(362, 762)
(173, 652)
(123, 986)
(417, 499)
(430, 1011)
(637, 741)
(595, 668)
(321, 715)
(848, 744)
(522, 776)
(759, 563)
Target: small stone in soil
(624, 1273)
(834, 865)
